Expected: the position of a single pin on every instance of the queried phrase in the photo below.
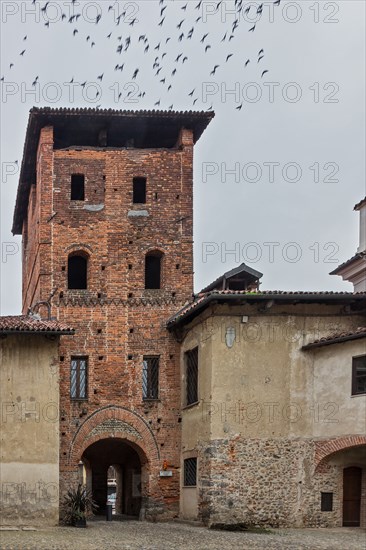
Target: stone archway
(134, 447)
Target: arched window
(77, 272)
(153, 262)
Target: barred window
(78, 382)
(191, 363)
(190, 472)
(359, 375)
(326, 502)
(150, 377)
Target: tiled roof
(79, 126)
(357, 256)
(25, 324)
(345, 336)
(203, 299)
(359, 204)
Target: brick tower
(104, 206)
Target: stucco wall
(264, 403)
(29, 466)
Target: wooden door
(351, 496)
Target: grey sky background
(317, 58)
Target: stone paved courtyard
(135, 535)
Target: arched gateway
(115, 436)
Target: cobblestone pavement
(134, 535)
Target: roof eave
(334, 341)
(294, 298)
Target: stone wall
(267, 482)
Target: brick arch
(146, 446)
(325, 448)
(75, 247)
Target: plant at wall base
(75, 506)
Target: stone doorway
(123, 459)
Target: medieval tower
(104, 207)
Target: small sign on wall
(166, 473)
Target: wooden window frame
(355, 360)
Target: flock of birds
(165, 63)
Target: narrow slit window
(77, 187)
(77, 273)
(150, 378)
(139, 190)
(153, 271)
(78, 377)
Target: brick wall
(117, 321)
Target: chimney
(354, 270)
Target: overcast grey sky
(279, 169)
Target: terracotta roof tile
(24, 323)
(344, 336)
